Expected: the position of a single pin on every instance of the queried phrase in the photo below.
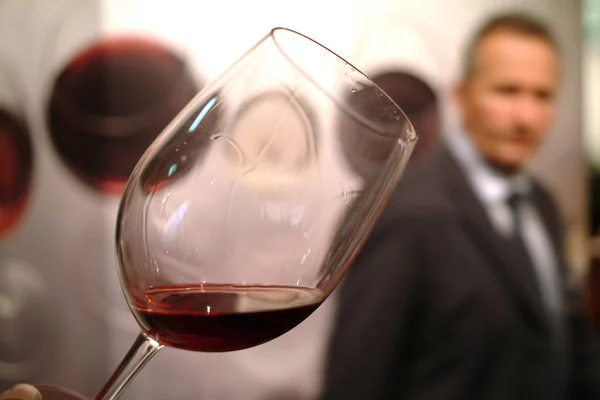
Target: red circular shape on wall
(109, 104)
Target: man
(458, 293)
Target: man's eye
(507, 90)
(544, 94)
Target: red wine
(109, 104)
(215, 318)
(16, 160)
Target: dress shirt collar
(490, 186)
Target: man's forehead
(501, 49)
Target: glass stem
(142, 350)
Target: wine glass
(246, 243)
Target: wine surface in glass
(218, 318)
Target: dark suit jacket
(434, 308)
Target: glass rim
(408, 137)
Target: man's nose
(528, 111)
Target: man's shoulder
(422, 191)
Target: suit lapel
(548, 215)
(479, 226)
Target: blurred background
(77, 84)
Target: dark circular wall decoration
(110, 102)
(16, 153)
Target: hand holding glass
(243, 215)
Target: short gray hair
(519, 23)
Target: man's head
(507, 94)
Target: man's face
(508, 102)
